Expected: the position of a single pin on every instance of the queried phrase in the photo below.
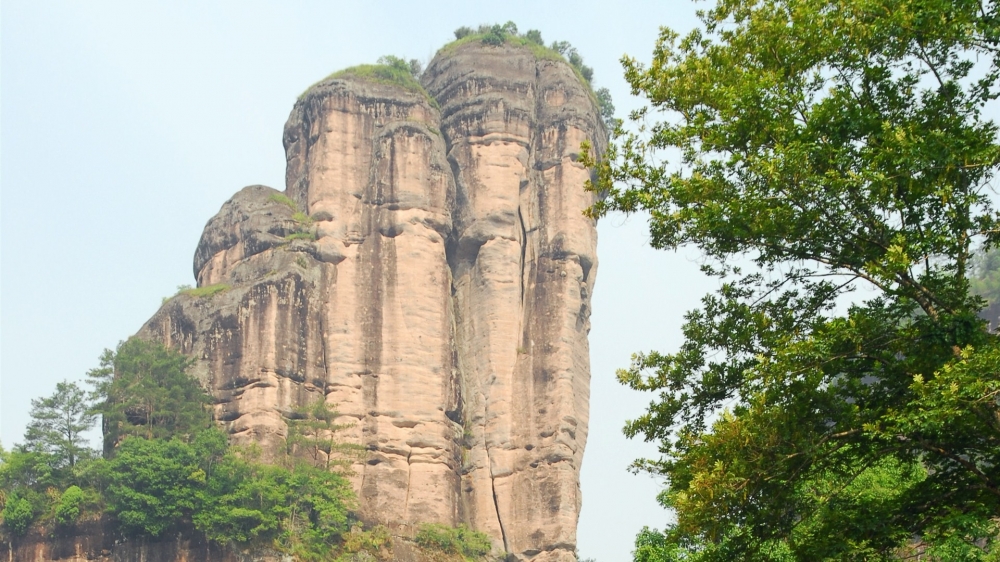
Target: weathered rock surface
(438, 293)
(97, 541)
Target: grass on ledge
(285, 200)
(381, 74)
(207, 290)
(301, 236)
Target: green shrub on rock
(70, 503)
(454, 540)
(18, 514)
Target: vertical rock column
(366, 158)
(433, 287)
(523, 260)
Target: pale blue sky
(124, 126)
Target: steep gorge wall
(443, 306)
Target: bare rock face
(427, 272)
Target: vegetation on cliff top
(397, 71)
(532, 40)
(390, 70)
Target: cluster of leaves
(154, 485)
(460, 540)
(167, 467)
(498, 34)
(822, 146)
(36, 486)
(400, 64)
(143, 389)
(373, 542)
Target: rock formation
(428, 271)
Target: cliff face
(98, 541)
(439, 295)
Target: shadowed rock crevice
(427, 270)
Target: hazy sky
(124, 126)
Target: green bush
(534, 36)
(454, 540)
(371, 541)
(70, 503)
(496, 36)
(18, 514)
(153, 484)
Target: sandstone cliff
(428, 271)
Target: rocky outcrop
(98, 540)
(428, 271)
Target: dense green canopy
(809, 148)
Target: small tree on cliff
(312, 429)
(58, 423)
(823, 146)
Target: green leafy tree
(69, 506)
(495, 35)
(413, 66)
(18, 513)
(606, 106)
(534, 36)
(821, 147)
(24, 478)
(58, 423)
(143, 388)
(153, 484)
(312, 429)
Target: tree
(413, 66)
(312, 429)
(534, 36)
(821, 146)
(143, 388)
(58, 423)
(606, 106)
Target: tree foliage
(143, 389)
(312, 430)
(58, 423)
(459, 540)
(168, 469)
(821, 146)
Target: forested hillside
(166, 469)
